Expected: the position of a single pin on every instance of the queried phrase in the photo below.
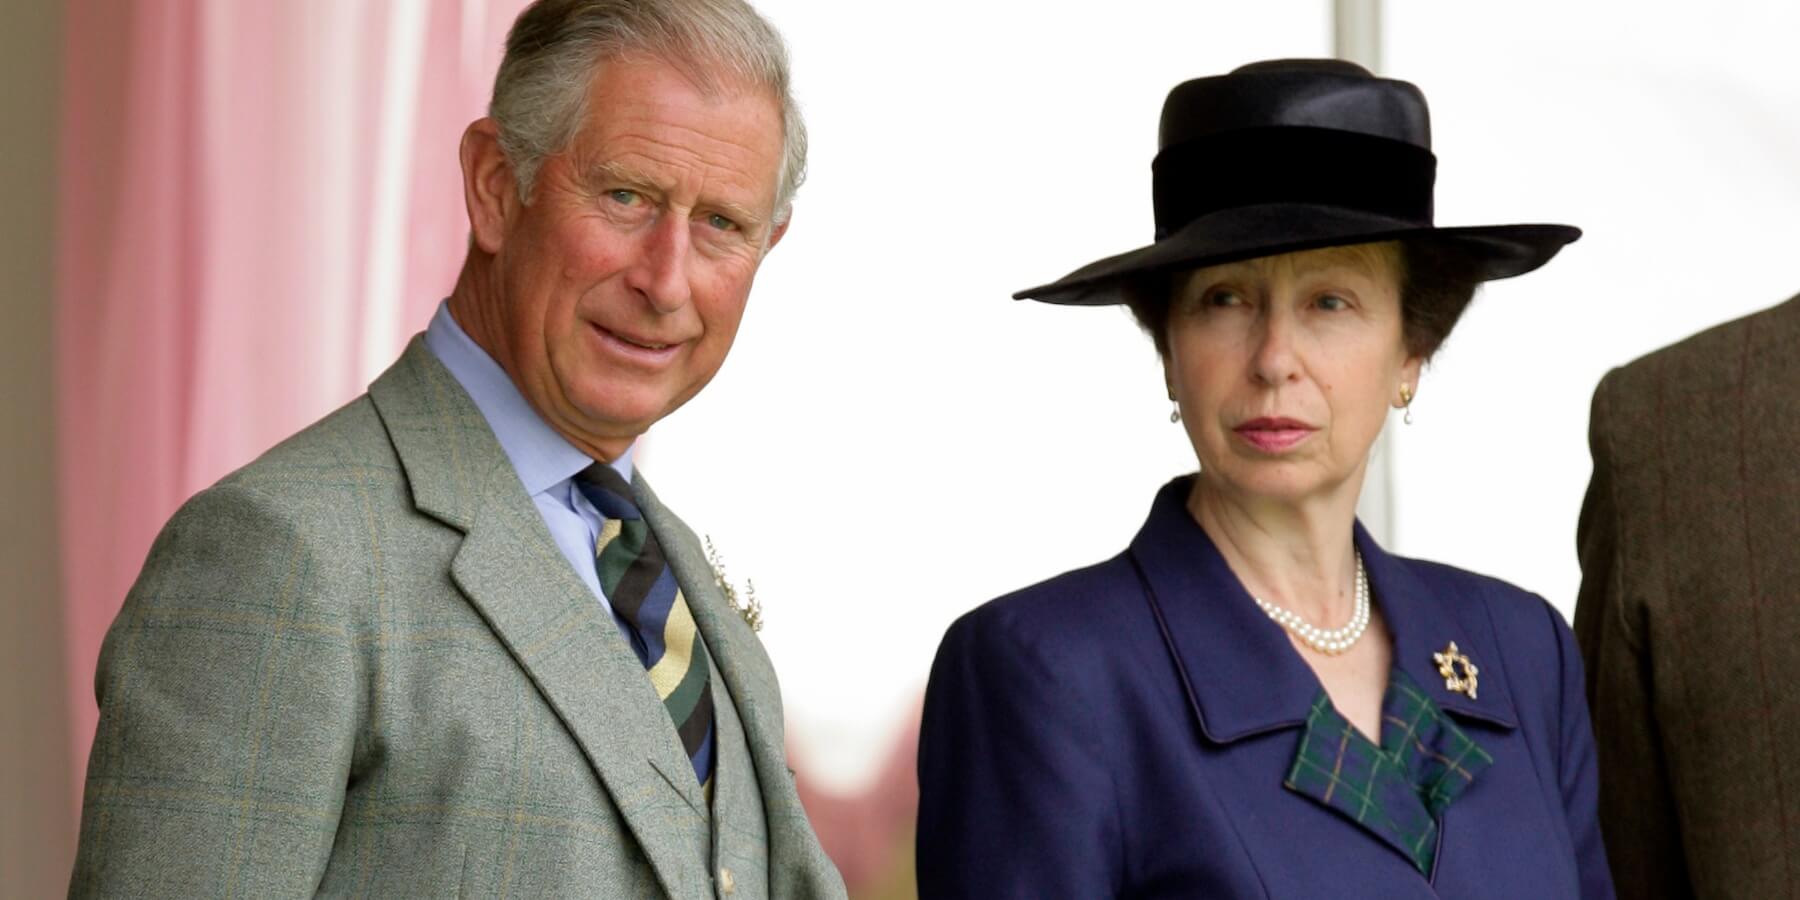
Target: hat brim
(1489, 252)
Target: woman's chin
(1285, 482)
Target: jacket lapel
(1217, 634)
(1398, 789)
(1425, 618)
(739, 659)
(510, 570)
(1243, 678)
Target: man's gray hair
(556, 46)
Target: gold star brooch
(1448, 662)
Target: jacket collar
(739, 660)
(1242, 675)
(508, 567)
(445, 446)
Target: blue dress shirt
(546, 462)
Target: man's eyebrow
(616, 172)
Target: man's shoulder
(1710, 360)
(1673, 396)
(334, 478)
(415, 412)
(349, 442)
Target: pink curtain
(259, 203)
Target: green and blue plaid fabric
(1397, 790)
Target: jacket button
(727, 884)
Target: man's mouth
(635, 341)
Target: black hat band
(1320, 166)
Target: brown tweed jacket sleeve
(1689, 613)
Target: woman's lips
(1273, 435)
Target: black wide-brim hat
(1297, 154)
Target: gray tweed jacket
(360, 666)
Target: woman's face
(1284, 368)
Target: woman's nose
(1274, 361)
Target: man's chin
(615, 418)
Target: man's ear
(489, 190)
(779, 230)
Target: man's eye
(721, 223)
(624, 197)
(1224, 298)
(1333, 302)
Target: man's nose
(660, 270)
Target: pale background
(894, 441)
(961, 445)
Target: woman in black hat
(1255, 700)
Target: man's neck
(475, 304)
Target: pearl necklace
(1330, 642)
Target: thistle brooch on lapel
(748, 607)
(1448, 662)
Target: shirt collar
(1243, 677)
(543, 458)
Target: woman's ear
(1408, 389)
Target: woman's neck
(1298, 556)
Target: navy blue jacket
(1123, 731)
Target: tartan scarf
(1396, 790)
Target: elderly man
(446, 640)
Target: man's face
(621, 285)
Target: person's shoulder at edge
(1699, 363)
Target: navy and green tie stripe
(638, 583)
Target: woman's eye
(1333, 302)
(721, 223)
(1224, 298)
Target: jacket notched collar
(1216, 633)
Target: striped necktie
(640, 586)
